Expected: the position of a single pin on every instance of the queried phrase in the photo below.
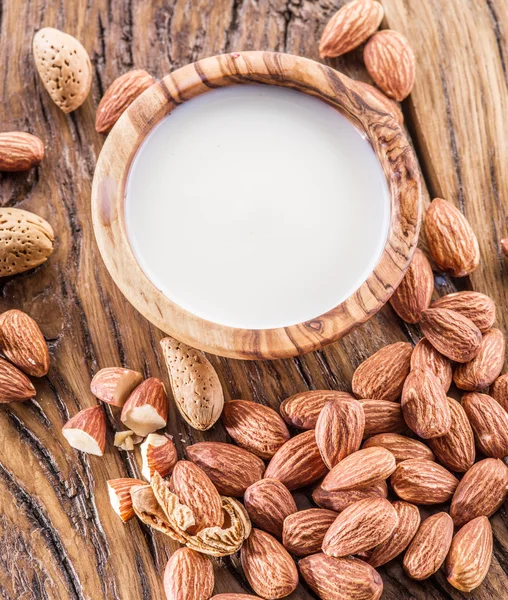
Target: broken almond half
(114, 385)
(158, 453)
(146, 409)
(120, 496)
(126, 440)
(86, 431)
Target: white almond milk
(256, 206)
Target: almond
(298, 462)
(455, 450)
(268, 503)
(188, 576)
(489, 421)
(339, 430)
(64, 67)
(255, 427)
(158, 453)
(20, 151)
(14, 385)
(125, 440)
(267, 566)
(424, 405)
(196, 387)
(86, 431)
(382, 375)
(481, 491)
(450, 239)
(504, 246)
(477, 307)
(485, 367)
(231, 469)
(349, 27)
(468, 561)
(114, 385)
(391, 63)
(451, 334)
(302, 410)
(146, 409)
(120, 496)
(423, 482)
(402, 447)
(499, 391)
(429, 547)
(426, 357)
(360, 527)
(338, 501)
(341, 578)
(382, 416)
(233, 597)
(415, 290)
(304, 531)
(119, 95)
(373, 95)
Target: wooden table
(59, 537)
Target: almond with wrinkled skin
(481, 491)
(341, 499)
(425, 356)
(428, 550)
(402, 447)
(298, 462)
(146, 409)
(188, 576)
(304, 531)
(450, 239)
(382, 375)
(451, 334)
(477, 307)
(468, 561)
(231, 469)
(255, 427)
(86, 431)
(341, 578)
(360, 527)
(119, 95)
(158, 453)
(14, 384)
(19, 151)
(423, 482)
(424, 405)
(269, 568)
(415, 290)
(382, 416)
(302, 410)
(456, 449)
(120, 496)
(499, 391)
(485, 367)
(268, 503)
(387, 104)
(339, 430)
(489, 421)
(114, 385)
(349, 27)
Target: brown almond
(402, 447)
(19, 151)
(489, 421)
(485, 367)
(302, 410)
(269, 502)
(477, 307)
(114, 385)
(426, 357)
(158, 453)
(14, 385)
(233, 597)
(341, 499)
(86, 431)
(146, 409)
(382, 416)
(188, 576)
(423, 482)
(304, 531)
(499, 391)
(372, 95)
(119, 491)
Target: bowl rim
(386, 137)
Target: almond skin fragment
(372, 94)
(302, 410)
(120, 496)
(86, 431)
(485, 367)
(20, 151)
(341, 499)
(382, 416)
(158, 453)
(146, 409)
(188, 576)
(402, 447)
(14, 385)
(499, 391)
(477, 307)
(423, 482)
(114, 385)
(489, 421)
(268, 502)
(304, 531)
(426, 357)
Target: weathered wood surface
(60, 540)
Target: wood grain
(60, 539)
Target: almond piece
(304, 531)
(481, 491)
(231, 469)
(349, 27)
(146, 409)
(360, 527)
(268, 503)
(228, 596)
(426, 357)
(372, 95)
(298, 462)
(423, 482)
(477, 307)
(267, 565)
(14, 385)
(489, 421)
(363, 468)
(499, 391)
(338, 501)
(255, 427)
(120, 496)
(485, 367)
(468, 561)
(504, 246)
(124, 440)
(428, 550)
(391, 63)
(119, 95)
(114, 385)
(188, 576)
(339, 430)
(19, 151)
(341, 578)
(158, 453)
(451, 334)
(450, 239)
(382, 375)
(404, 532)
(382, 416)
(195, 383)
(456, 450)
(415, 290)
(86, 431)
(302, 410)
(402, 447)
(424, 405)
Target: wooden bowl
(388, 141)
